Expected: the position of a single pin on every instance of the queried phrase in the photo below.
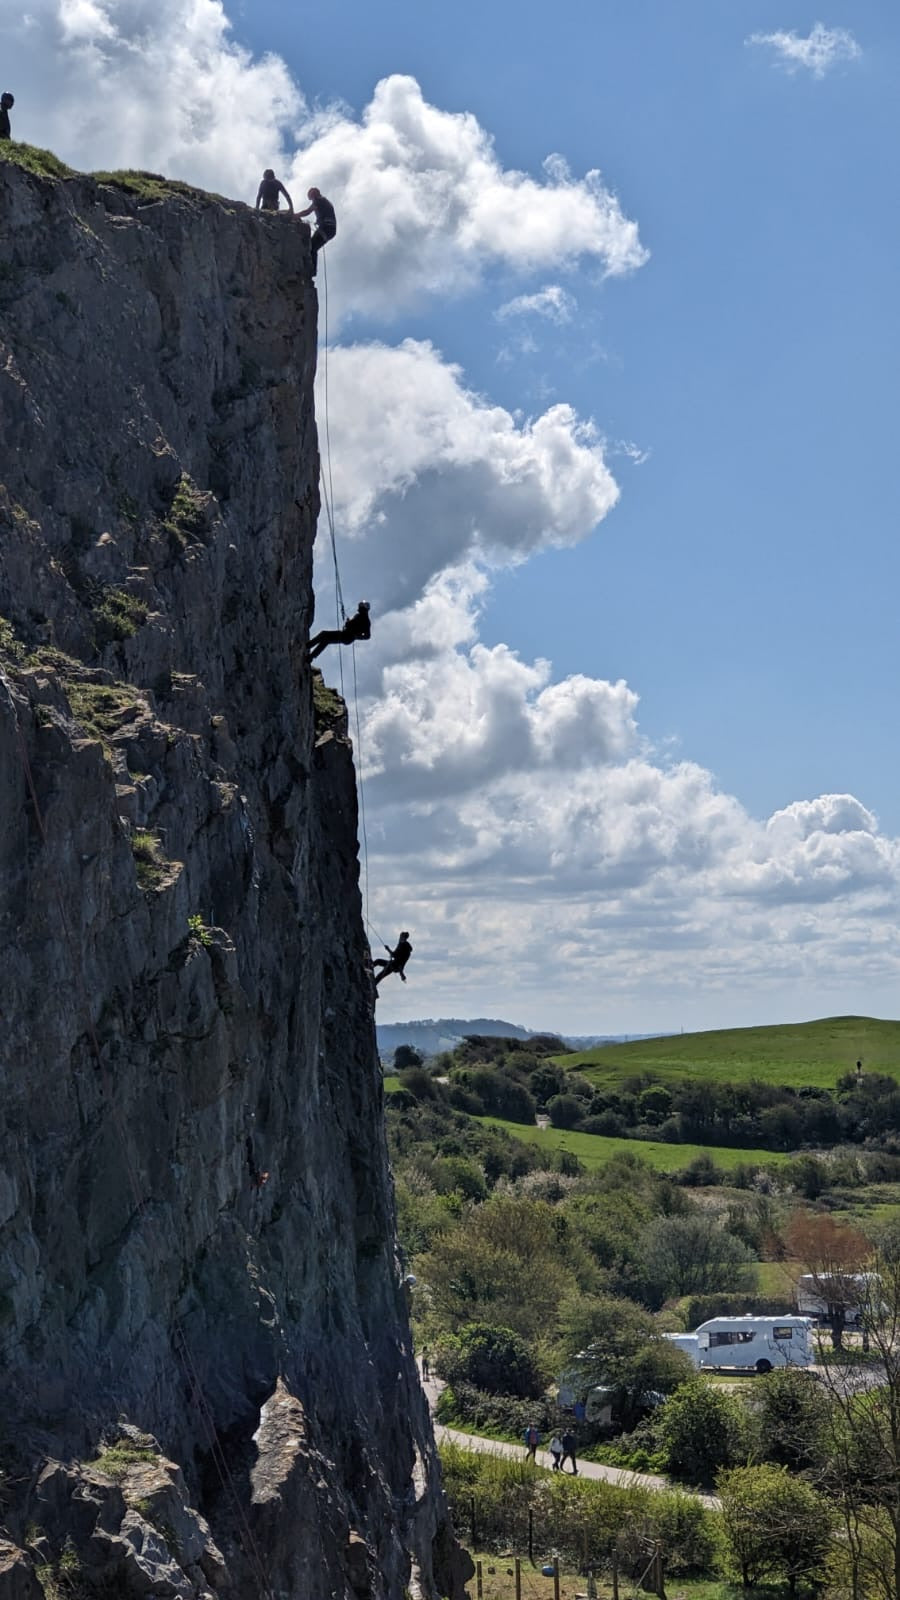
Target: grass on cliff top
(147, 186)
(813, 1054)
(596, 1149)
(43, 163)
(150, 186)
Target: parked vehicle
(813, 1299)
(749, 1344)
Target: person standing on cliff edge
(268, 192)
(6, 104)
(326, 222)
(399, 957)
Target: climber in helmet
(326, 222)
(7, 102)
(269, 191)
(356, 627)
(399, 957)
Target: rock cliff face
(198, 1278)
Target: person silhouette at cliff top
(6, 104)
(356, 627)
(399, 957)
(326, 222)
(269, 191)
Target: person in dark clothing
(356, 627)
(326, 222)
(267, 195)
(399, 957)
(6, 104)
(568, 1444)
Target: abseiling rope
(341, 613)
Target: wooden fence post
(518, 1579)
(615, 1575)
(556, 1578)
(479, 1589)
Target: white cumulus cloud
(428, 474)
(816, 52)
(552, 302)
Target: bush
(573, 1517)
(462, 1405)
(775, 1525)
(496, 1360)
(565, 1111)
(702, 1430)
(697, 1308)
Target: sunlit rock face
(198, 1273)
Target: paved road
(586, 1469)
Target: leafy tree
(775, 1525)
(655, 1103)
(791, 1419)
(416, 1081)
(565, 1111)
(502, 1265)
(406, 1055)
(702, 1430)
(494, 1359)
(545, 1081)
(616, 1344)
(693, 1255)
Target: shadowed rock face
(196, 1226)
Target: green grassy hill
(796, 1054)
(595, 1149)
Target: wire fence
(517, 1577)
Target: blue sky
(632, 837)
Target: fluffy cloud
(552, 302)
(821, 49)
(426, 205)
(427, 474)
(150, 83)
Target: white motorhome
(813, 1299)
(748, 1344)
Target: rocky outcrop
(196, 1227)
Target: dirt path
(586, 1469)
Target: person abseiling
(269, 191)
(7, 102)
(399, 957)
(356, 627)
(326, 222)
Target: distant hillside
(444, 1033)
(813, 1054)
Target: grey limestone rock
(196, 1217)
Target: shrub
(565, 1111)
(702, 1430)
(493, 1359)
(775, 1525)
(576, 1518)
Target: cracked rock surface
(196, 1222)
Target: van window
(733, 1336)
(782, 1333)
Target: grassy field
(595, 1150)
(498, 1583)
(797, 1054)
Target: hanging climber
(326, 222)
(399, 957)
(269, 191)
(356, 627)
(6, 104)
